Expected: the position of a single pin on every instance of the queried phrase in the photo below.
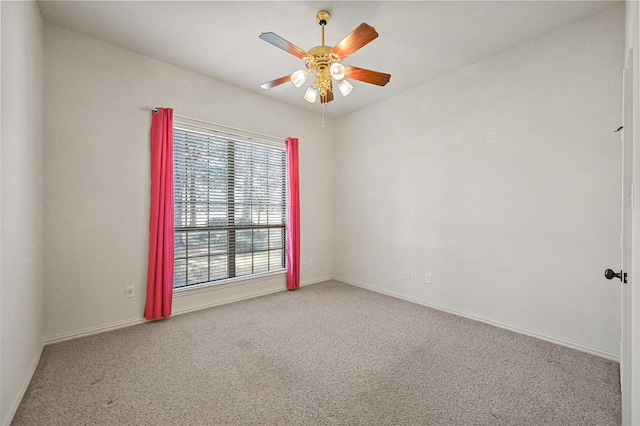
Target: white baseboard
(318, 281)
(228, 300)
(135, 321)
(239, 298)
(548, 338)
(76, 334)
(13, 408)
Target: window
(229, 195)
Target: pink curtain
(293, 215)
(160, 269)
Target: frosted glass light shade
(337, 71)
(299, 77)
(345, 87)
(311, 95)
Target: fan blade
(367, 76)
(359, 37)
(326, 99)
(283, 44)
(276, 82)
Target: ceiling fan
(325, 63)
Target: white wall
(96, 170)
(501, 179)
(21, 289)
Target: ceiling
(418, 41)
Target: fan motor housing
(320, 51)
(320, 57)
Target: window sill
(231, 282)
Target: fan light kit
(325, 63)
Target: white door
(625, 238)
(627, 207)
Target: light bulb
(337, 71)
(311, 95)
(345, 87)
(299, 77)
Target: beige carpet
(327, 354)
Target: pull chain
(322, 116)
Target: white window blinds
(229, 195)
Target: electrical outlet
(310, 263)
(428, 278)
(130, 291)
(407, 275)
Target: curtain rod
(276, 138)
